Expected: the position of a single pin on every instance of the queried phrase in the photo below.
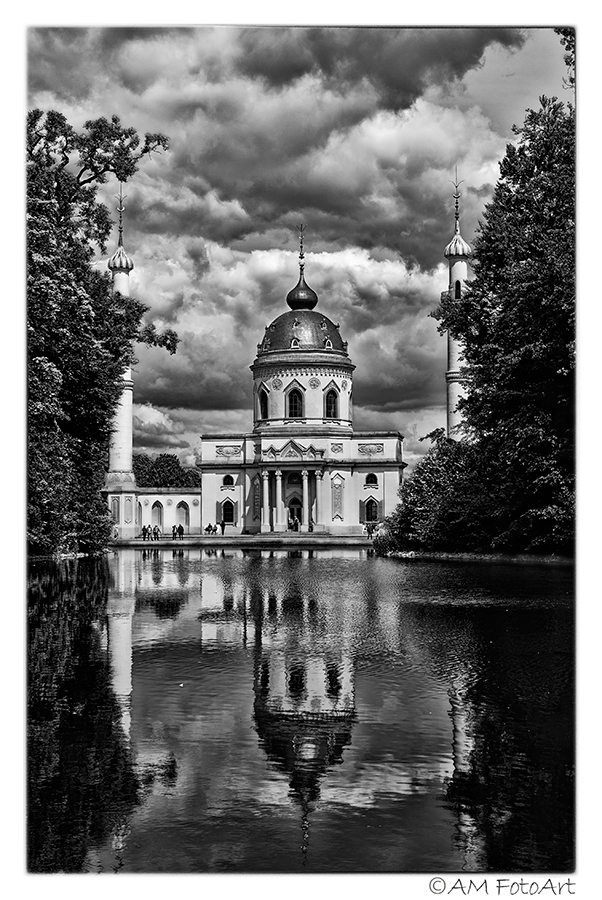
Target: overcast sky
(354, 131)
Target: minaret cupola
(457, 246)
(120, 261)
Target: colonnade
(274, 511)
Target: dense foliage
(516, 323)
(79, 333)
(162, 471)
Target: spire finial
(120, 260)
(456, 196)
(301, 229)
(120, 210)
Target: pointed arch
(183, 514)
(458, 290)
(331, 404)
(263, 404)
(295, 404)
(157, 514)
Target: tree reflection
(80, 781)
(512, 712)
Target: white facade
(302, 468)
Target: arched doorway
(371, 510)
(183, 514)
(228, 512)
(295, 510)
(157, 514)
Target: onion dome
(302, 296)
(457, 246)
(120, 261)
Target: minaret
(457, 253)
(121, 483)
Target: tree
(163, 471)
(516, 323)
(447, 504)
(79, 333)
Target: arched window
(327, 344)
(371, 478)
(371, 511)
(295, 404)
(458, 290)
(115, 509)
(183, 514)
(263, 405)
(228, 512)
(332, 405)
(227, 481)
(157, 514)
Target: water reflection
(281, 713)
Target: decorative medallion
(169, 502)
(146, 502)
(195, 502)
(344, 384)
(276, 383)
(228, 451)
(314, 383)
(371, 448)
(336, 448)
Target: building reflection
(305, 689)
(304, 693)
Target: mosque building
(302, 467)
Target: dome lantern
(301, 296)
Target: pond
(194, 710)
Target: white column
(265, 506)
(319, 475)
(304, 476)
(278, 504)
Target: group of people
(212, 529)
(294, 524)
(154, 533)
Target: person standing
(174, 532)
(181, 531)
(222, 525)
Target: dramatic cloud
(354, 131)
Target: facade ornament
(336, 448)
(228, 450)
(369, 449)
(344, 384)
(314, 383)
(276, 383)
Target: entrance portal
(295, 511)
